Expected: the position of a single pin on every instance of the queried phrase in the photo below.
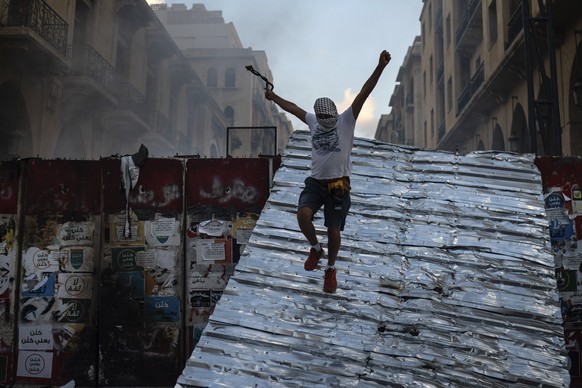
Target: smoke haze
(326, 47)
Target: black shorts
(315, 194)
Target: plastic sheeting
(445, 278)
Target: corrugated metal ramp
(445, 278)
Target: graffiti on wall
(237, 189)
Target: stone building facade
(405, 103)
(498, 75)
(215, 51)
(87, 79)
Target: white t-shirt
(330, 151)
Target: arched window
(519, 138)
(498, 143)
(230, 78)
(229, 115)
(212, 78)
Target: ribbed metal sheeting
(445, 278)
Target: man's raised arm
(370, 83)
(287, 106)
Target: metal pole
(556, 129)
(531, 116)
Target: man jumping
(332, 139)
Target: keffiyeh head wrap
(326, 107)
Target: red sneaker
(329, 280)
(313, 259)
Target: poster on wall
(117, 228)
(561, 226)
(74, 286)
(576, 200)
(73, 310)
(35, 337)
(36, 309)
(76, 233)
(162, 231)
(77, 259)
(38, 284)
(207, 277)
(35, 364)
(42, 260)
(213, 228)
(162, 308)
(216, 251)
(125, 259)
(566, 279)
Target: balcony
(181, 73)
(34, 33)
(91, 76)
(471, 89)
(409, 102)
(470, 27)
(160, 124)
(129, 98)
(128, 118)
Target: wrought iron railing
(464, 21)
(440, 72)
(130, 98)
(514, 26)
(86, 61)
(441, 131)
(162, 124)
(471, 88)
(40, 18)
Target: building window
(230, 78)
(429, 17)
(122, 62)
(411, 87)
(431, 69)
(432, 123)
(449, 94)
(492, 22)
(212, 78)
(229, 115)
(448, 30)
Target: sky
(318, 48)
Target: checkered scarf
(326, 106)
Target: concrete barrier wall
(83, 300)
(562, 189)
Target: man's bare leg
(333, 245)
(304, 219)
